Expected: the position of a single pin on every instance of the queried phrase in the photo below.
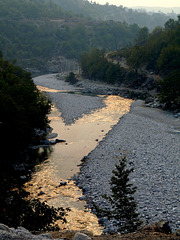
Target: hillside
(166, 10)
(37, 33)
(112, 12)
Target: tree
(169, 59)
(170, 89)
(142, 36)
(171, 24)
(122, 200)
(137, 58)
(71, 78)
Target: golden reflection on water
(45, 89)
(115, 107)
(81, 138)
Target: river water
(65, 160)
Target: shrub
(122, 200)
(71, 78)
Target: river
(53, 179)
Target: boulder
(162, 226)
(82, 198)
(41, 193)
(4, 228)
(81, 236)
(178, 232)
(64, 183)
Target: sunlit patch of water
(81, 138)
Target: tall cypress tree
(122, 200)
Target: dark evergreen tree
(122, 200)
(71, 78)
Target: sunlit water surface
(64, 161)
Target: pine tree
(122, 200)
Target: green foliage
(136, 58)
(142, 36)
(23, 109)
(122, 200)
(95, 66)
(96, 11)
(34, 32)
(159, 52)
(71, 78)
(169, 59)
(170, 89)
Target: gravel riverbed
(72, 106)
(150, 138)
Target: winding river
(52, 182)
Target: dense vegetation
(23, 109)
(155, 53)
(159, 52)
(95, 66)
(23, 113)
(111, 12)
(34, 32)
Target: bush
(16, 210)
(71, 78)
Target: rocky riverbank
(151, 232)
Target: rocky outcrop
(20, 233)
(162, 226)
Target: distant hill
(112, 12)
(165, 10)
(35, 32)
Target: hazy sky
(149, 3)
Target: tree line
(34, 32)
(93, 10)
